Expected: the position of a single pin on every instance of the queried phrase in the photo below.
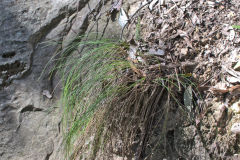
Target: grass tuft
(89, 81)
(102, 78)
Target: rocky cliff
(30, 34)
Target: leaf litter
(200, 38)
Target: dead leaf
(236, 128)
(117, 5)
(184, 51)
(132, 52)
(158, 52)
(218, 91)
(237, 66)
(195, 19)
(203, 88)
(123, 18)
(236, 107)
(139, 72)
(235, 90)
(152, 4)
(140, 59)
(232, 79)
(231, 35)
(47, 94)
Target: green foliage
(138, 29)
(236, 26)
(89, 82)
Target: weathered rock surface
(30, 34)
(29, 125)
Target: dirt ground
(201, 38)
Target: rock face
(31, 32)
(29, 127)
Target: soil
(199, 38)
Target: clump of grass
(134, 105)
(89, 81)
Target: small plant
(102, 80)
(236, 26)
(138, 29)
(89, 81)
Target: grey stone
(28, 130)
(31, 32)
